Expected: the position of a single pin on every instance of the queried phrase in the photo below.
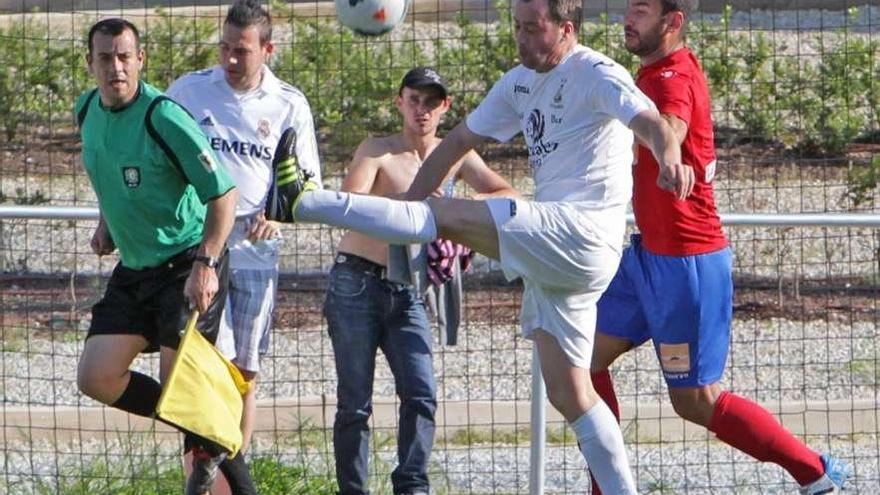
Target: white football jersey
(574, 119)
(244, 128)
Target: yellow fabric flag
(203, 391)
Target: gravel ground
(771, 360)
(700, 467)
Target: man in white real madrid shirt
(243, 109)
(578, 110)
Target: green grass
(143, 476)
(864, 371)
(274, 477)
(137, 476)
(14, 339)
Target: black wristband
(209, 261)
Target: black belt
(362, 264)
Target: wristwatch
(209, 261)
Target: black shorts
(151, 302)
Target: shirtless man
(365, 311)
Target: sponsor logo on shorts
(207, 161)
(131, 176)
(675, 358)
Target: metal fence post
(538, 425)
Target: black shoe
(289, 181)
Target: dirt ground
(47, 305)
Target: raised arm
(440, 161)
(483, 180)
(653, 130)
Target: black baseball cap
(423, 77)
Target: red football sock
(747, 426)
(605, 388)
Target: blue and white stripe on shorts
(248, 316)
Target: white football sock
(392, 221)
(601, 443)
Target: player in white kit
(577, 110)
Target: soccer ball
(371, 17)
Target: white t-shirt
(244, 128)
(574, 119)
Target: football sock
(392, 221)
(747, 426)
(141, 395)
(605, 388)
(601, 443)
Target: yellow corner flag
(203, 391)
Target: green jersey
(153, 170)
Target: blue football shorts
(683, 303)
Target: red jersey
(671, 227)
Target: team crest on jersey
(131, 176)
(207, 161)
(710, 171)
(263, 128)
(557, 98)
(538, 147)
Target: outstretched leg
(467, 222)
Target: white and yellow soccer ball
(371, 17)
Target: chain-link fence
(796, 105)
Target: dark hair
(114, 26)
(565, 10)
(246, 13)
(686, 7)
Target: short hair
(686, 7)
(114, 26)
(246, 13)
(565, 10)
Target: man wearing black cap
(365, 311)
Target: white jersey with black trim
(574, 119)
(244, 128)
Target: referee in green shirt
(168, 207)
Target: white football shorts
(566, 256)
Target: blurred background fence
(796, 102)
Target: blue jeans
(364, 313)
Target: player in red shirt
(674, 284)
